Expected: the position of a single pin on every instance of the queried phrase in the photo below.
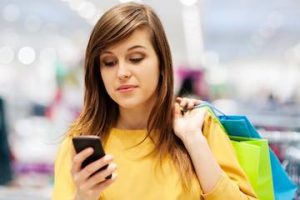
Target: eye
(136, 60)
(109, 63)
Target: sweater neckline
(118, 130)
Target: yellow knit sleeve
(64, 188)
(234, 184)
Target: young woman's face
(130, 70)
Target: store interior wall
(247, 62)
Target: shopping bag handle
(215, 111)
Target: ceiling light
(26, 55)
(188, 2)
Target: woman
(160, 152)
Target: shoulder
(65, 148)
(212, 125)
(65, 143)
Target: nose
(123, 71)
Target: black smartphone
(84, 141)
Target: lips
(126, 87)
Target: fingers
(79, 158)
(100, 187)
(201, 114)
(89, 170)
(94, 191)
(187, 103)
(99, 177)
(91, 180)
(177, 110)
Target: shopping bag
(253, 156)
(236, 125)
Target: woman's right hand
(89, 187)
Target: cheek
(156, 74)
(152, 77)
(106, 81)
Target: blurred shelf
(275, 120)
(25, 193)
(281, 136)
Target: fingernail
(113, 166)
(109, 157)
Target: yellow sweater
(140, 179)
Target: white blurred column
(193, 33)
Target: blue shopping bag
(239, 125)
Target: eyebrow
(136, 46)
(129, 49)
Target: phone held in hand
(84, 141)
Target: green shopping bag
(253, 156)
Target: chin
(130, 104)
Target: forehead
(140, 36)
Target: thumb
(177, 111)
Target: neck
(135, 118)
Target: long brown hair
(100, 112)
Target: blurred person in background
(160, 152)
(187, 87)
(193, 84)
(5, 159)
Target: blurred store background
(242, 55)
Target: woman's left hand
(188, 125)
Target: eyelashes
(114, 62)
(109, 63)
(136, 60)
